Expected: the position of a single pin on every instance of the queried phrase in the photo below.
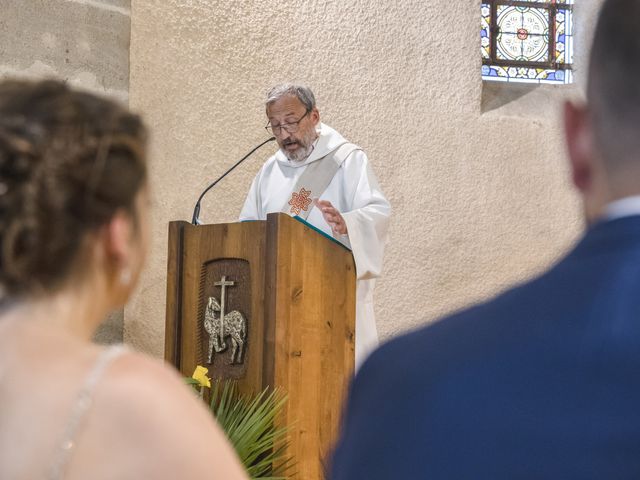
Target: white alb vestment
(355, 193)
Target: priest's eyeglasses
(291, 127)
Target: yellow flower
(200, 375)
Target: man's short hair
(613, 93)
(303, 93)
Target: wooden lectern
(280, 297)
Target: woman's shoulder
(134, 370)
(157, 424)
(149, 384)
(148, 393)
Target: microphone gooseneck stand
(196, 211)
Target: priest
(319, 176)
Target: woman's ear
(119, 249)
(118, 235)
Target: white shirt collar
(625, 207)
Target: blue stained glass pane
(529, 75)
(524, 33)
(564, 37)
(513, 19)
(524, 36)
(485, 31)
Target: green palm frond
(249, 424)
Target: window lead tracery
(527, 41)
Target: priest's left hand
(332, 216)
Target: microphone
(196, 211)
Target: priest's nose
(284, 134)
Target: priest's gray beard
(306, 144)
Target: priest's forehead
(304, 94)
(286, 106)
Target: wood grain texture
(208, 250)
(313, 283)
(298, 294)
(173, 319)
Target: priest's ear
(314, 115)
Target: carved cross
(223, 284)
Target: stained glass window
(527, 40)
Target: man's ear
(315, 116)
(579, 137)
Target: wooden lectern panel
(294, 290)
(313, 304)
(200, 252)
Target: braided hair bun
(68, 161)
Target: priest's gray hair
(304, 94)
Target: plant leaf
(249, 424)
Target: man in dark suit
(544, 380)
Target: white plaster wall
(84, 42)
(480, 200)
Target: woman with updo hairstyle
(73, 233)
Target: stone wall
(481, 196)
(85, 42)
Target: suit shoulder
(459, 335)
